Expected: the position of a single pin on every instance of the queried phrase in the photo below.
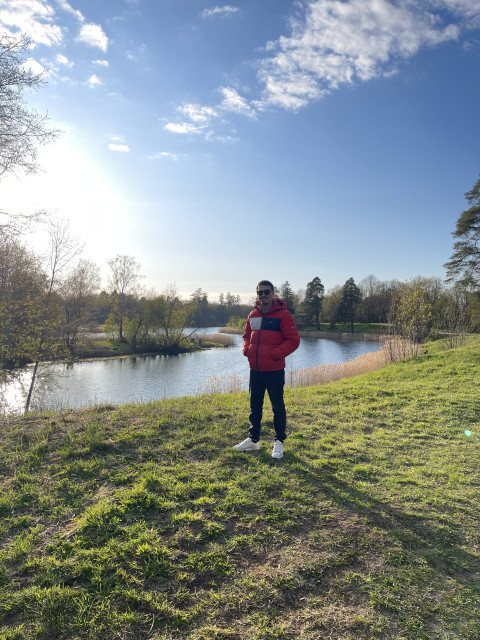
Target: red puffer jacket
(270, 338)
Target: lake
(146, 378)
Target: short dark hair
(266, 283)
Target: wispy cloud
(334, 43)
(63, 61)
(32, 17)
(67, 7)
(94, 36)
(183, 127)
(234, 102)
(219, 12)
(34, 66)
(337, 43)
(39, 20)
(164, 154)
(198, 114)
(197, 119)
(122, 148)
(93, 81)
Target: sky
(221, 144)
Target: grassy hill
(141, 521)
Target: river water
(146, 378)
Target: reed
(223, 384)
(216, 338)
(393, 349)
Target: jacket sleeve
(246, 337)
(290, 337)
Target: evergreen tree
(286, 294)
(313, 302)
(351, 296)
(464, 264)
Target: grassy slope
(141, 521)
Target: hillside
(142, 522)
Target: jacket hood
(278, 303)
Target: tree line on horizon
(46, 302)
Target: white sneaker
(277, 449)
(247, 445)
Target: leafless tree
(63, 250)
(21, 129)
(123, 281)
(76, 292)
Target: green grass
(142, 522)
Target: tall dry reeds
(231, 330)
(393, 349)
(216, 338)
(223, 384)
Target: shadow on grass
(443, 549)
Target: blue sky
(219, 144)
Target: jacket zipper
(259, 335)
(258, 344)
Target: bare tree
(76, 292)
(123, 282)
(63, 250)
(21, 129)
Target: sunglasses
(263, 292)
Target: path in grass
(142, 521)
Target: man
(270, 335)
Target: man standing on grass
(270, 336)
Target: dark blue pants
(273, 382)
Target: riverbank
(141, 521)
(101, 347)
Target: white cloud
(198, 114)
(340, 42)
(165, 154)
(34, 66)
(182, 127)
(64, 61)
(94, 36)
(123, 148)
(233, 101)
(32, 17)
(101, 63)
(198, 119)
(93, 81)
(333, 43)
(66, 6)
(221, 12)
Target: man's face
(265, 295)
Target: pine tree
(313, 301)
(351, 296)
(464, 264)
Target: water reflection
(146, 378)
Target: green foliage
(351, 296)
(313, 302)
(286, 294)
(142, 521)
(412, 315)
(236, 322)
(464, 264)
